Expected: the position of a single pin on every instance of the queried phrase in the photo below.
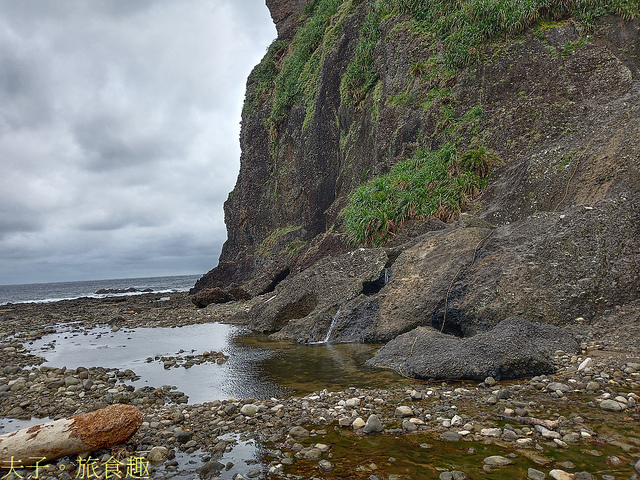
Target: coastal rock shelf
(518, 429)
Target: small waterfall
(334, 320)
(387, 275)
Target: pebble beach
(581, 423)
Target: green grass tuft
(463, 25)
(436, 184)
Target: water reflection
(303, 369)
(257, 366)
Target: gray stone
(593, 386)
(373, 425)
(457, 475)
(612, 406)
(68, 381)
(182, 436)
(514, 348)
(450, 436)
(299, 432)
(491, 432)
(158, 454)
(557, 386)
(583, 476)
(497, 461)
(210, 469)
(637, 466)
(445, 476)
(404, 411)
(534, 474)
(325, 465)
(313, 454)
(409, 426)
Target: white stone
(524, 442)
(352, 402)
(249, 409)
(546, 433)
(358, 423)
(404, 411)
(587, 362)
(561, 475)
(491, 432)
(560, 443)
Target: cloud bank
(119, 133)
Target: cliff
(526, 118)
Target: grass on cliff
(297, 79)
(437, 184)
(463, 25)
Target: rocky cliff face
(349, 89)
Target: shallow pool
(256, 366)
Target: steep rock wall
(558, 105)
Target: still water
(257, 366)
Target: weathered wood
(70, 436)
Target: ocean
(53, 292)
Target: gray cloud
(119, 133)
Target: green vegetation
(361, 74)
(439, 183)
(261, 81)
(298, 77)
(463, 25)
(267, 245)
(436, 184)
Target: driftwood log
(70, 436)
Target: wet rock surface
(514, 348)
(301, 308)
(548, 423)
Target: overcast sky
(119, 125)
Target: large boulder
(514, 348)
(207, 296)
(552, 267)
(302, 307)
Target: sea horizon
(45, 292)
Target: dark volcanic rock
(302, 307)
(104, 291)
(514, 348)
(237, 292)
(210, 295)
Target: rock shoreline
(583, 422)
